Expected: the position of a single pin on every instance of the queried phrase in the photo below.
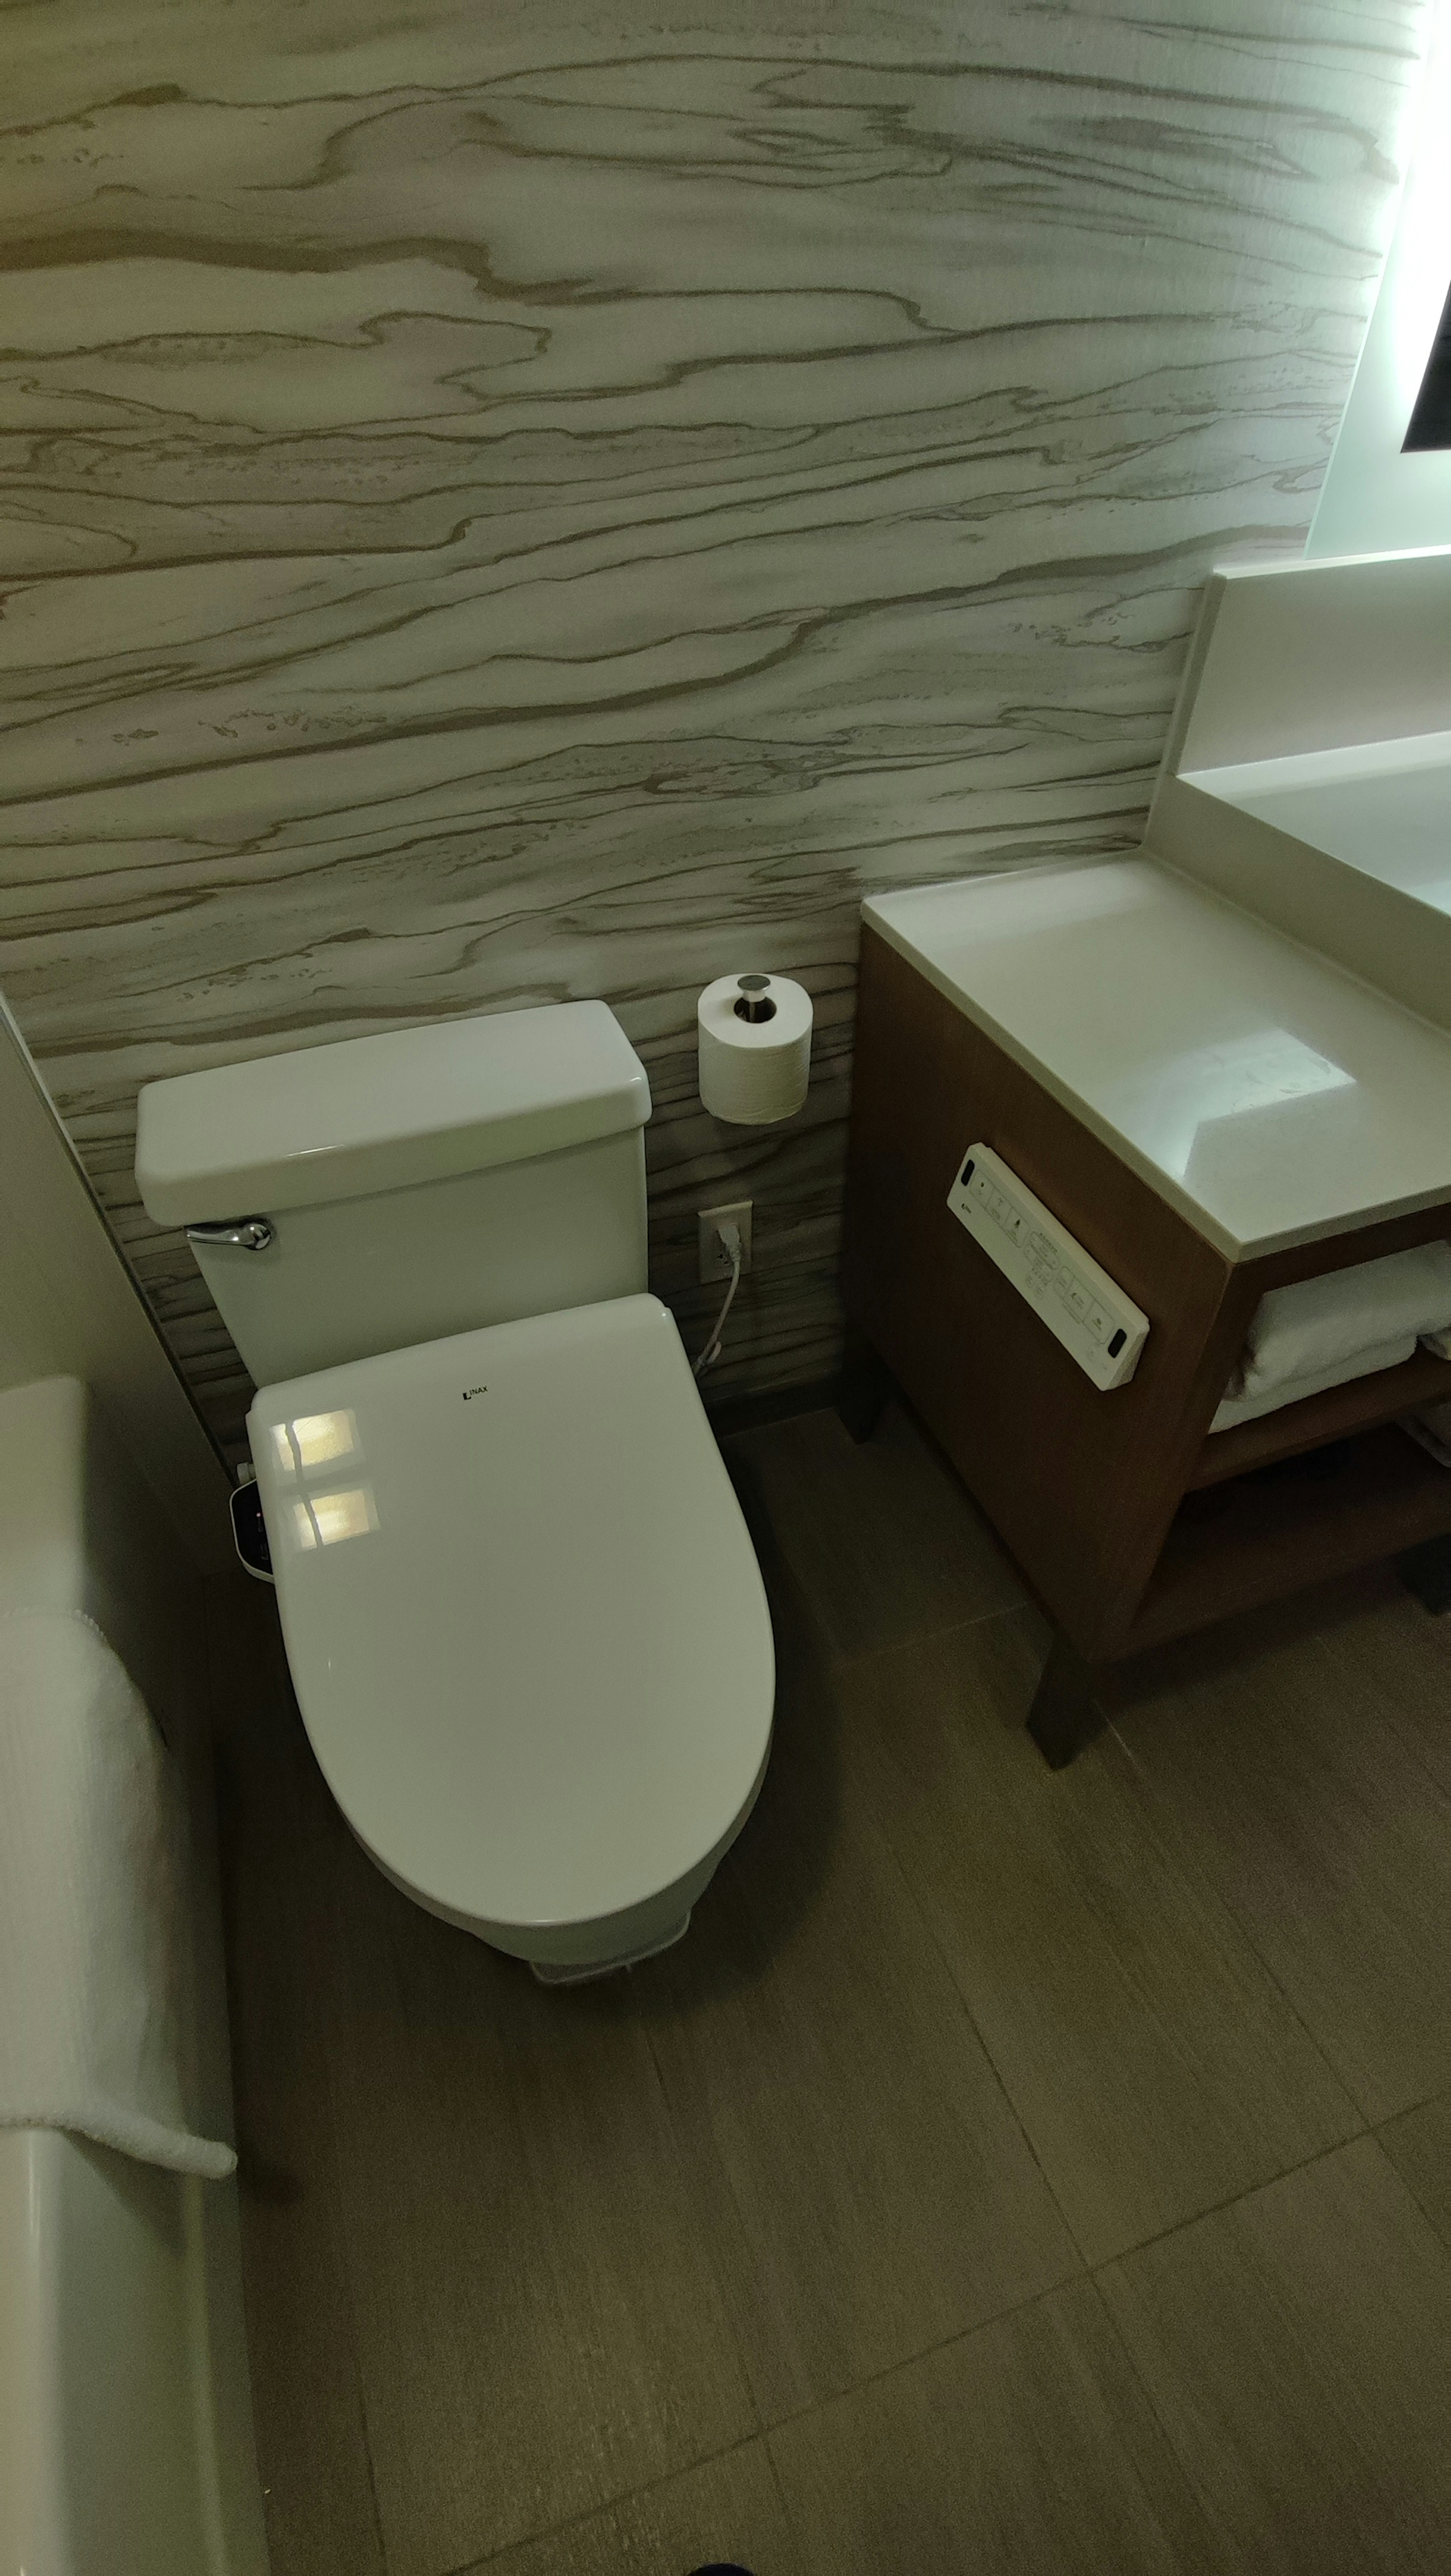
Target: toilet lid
(525, 1622)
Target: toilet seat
(525, 1622)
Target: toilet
(524, 1619)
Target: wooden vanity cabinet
(1129, 1521)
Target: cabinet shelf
(1318, 1419)
(1322, 1512)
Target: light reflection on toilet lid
(525, 1622)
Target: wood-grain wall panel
(505, 505)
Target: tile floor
(1012, 2171)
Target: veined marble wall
(517, 501)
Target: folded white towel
(1301, 1331)
(1432, 1427)
(1248, 1408)
(96, 2005)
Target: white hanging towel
(1322, 1332)
(95, 1962)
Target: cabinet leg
(1066, 1713)
(866, 1383)
(1426, 1571)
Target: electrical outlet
(715, 1261)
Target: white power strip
(1082, 1307)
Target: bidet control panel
(1086, 1310)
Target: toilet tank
(408, 1186)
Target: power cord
(729, 1234)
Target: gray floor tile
(1297, 2348)
(1276, 1766)
(539, 2266)
(307, 2395)
(728, 2510)
(871, 2191)
(882, 1538)
(1153, 2061)
(539, 2325)
(1419, 2146)
(1397, 1657)
(1027, 2447)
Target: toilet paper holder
(755, 1003)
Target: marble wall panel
(506, 504)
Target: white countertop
(1265, 1093)
(1381, 807)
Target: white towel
(1248, 1408)
(1302, 1331)
(95, 1956)
(1432, 1427)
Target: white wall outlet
(715, 1261)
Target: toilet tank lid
(368, 1114)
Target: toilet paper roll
(754, 1070)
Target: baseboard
(778, 1404)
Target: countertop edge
(1284, 1239)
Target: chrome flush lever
(244, 1233)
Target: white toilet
(525, 1622)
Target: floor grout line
(596, 2512)
(1089, 2265)
(1180, 2228)
(930, 1929)
(1231, 2200)
(769, 2426)
(737, 2345)
(841, 1661)
(782, 2499)
(1082, 2278)
(927, 1926)
(1152, 1802)
(1112, 2262)
(1159, 1802)
(1172, 1858)
(1166, 2435)
(1438, 2222)
(1423, 2102)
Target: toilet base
(594, 1946)
(583, 1973)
